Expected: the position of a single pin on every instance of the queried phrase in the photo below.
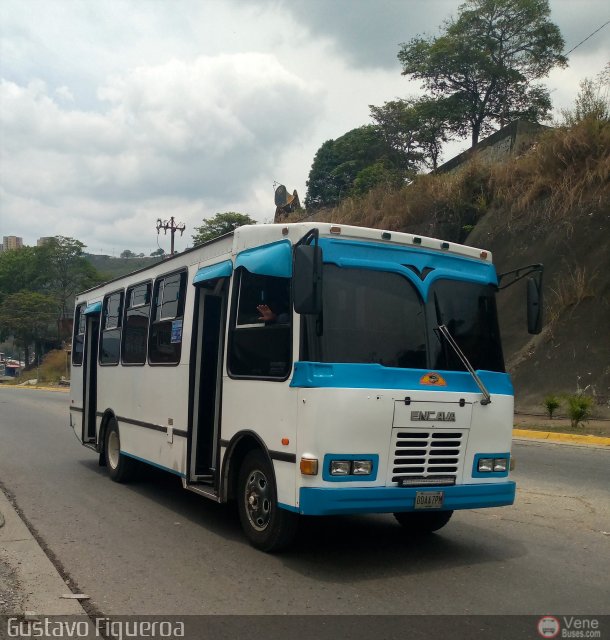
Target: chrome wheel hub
(258, 500)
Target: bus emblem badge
(433, 416)
(433, 379)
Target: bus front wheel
(267, 526)
(120, 467)
(426, 522)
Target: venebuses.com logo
(568, 627)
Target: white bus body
(362, 408)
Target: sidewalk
(33, 584)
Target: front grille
(427, 455)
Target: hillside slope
(110, 267)
(550, 206)
(573, 351)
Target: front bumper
(318, 501)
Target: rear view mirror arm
(518, 274)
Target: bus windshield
(379, 317)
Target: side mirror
(534, 306)
(307, 279)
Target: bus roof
(250, 236)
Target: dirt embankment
(555, 210)
(573, 351)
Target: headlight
(500, 465)
(362, 467)
(340, 467)
(485, 465)
(493, 465)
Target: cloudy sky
(114, 113)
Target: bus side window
(110, 344)
(78, 335)
(261, 332)
(165, 336)
(135, 329)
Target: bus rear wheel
(267, 526)
(120, 467)
(426, 522)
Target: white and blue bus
(308, 369)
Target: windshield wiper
(460, 354)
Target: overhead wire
(589, 36)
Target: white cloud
(187, 130)
(64, 93)
(113, 114)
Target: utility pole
(172, 226)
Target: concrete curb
(41, 583)
(562, 438)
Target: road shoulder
(40, 583)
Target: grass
(50, 371)
(561, 424)
(567, 172)
(573, 285)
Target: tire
(120, 467)
(267, 526)
(421, 523)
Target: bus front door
(90, 378)
(206, 376)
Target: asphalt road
(153, 548)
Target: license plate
(429, 499)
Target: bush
(551, 402)
(52, 367)
(579, 409)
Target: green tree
(157, 252)
(338, 163)
(21, 269)
(127, 254)
(67, 272)
(219, 225)
(592, 101)
(26, 315)
(487, 61)
(415, 129)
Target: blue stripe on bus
(376, 376)
(319, 501)
(288, 507)
(154, 464)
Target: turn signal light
(309, 466)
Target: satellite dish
(282, 197)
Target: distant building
(44, 240)
(12, 242)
